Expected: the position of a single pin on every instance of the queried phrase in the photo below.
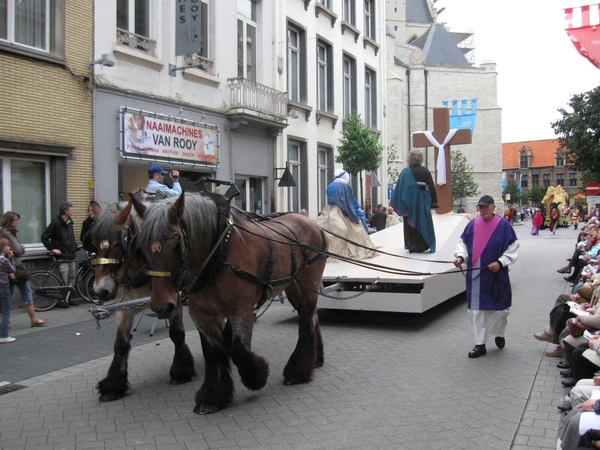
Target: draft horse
(226, 262)
(119, 274)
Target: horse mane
(104, 226)
(199, 222)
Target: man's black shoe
(500, 342)
(478, 350)
(569, 279)
(568, 382)
(566, 373)
(566, 406)
(563, 365)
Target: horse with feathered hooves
(226, 261)
(119, 274)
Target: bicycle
(48, 286)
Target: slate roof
(542, 153)
(440, 48)
(417, 11)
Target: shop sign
(162, 137)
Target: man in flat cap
(487, 246)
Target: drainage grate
(7, 388)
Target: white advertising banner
(165, 137)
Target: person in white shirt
(156, 180)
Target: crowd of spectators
(574, 327)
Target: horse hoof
(206, 409)
(182, 381)
(111, 397)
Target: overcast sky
(538, 67)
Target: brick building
(46, 126)
(539, 163)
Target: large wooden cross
(441, 128)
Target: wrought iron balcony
(248, 95)
(136, 41)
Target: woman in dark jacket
(8, 225)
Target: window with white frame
(370, 98)
(295, 164)
(348, 11)
(325, 169)
(25, 189)
(134, 16)
(133, 25)
(246, 35)
(33, 26)
(296, 64)
(349, 69)
(298, 195)
(324, 76)
(370, 19)
(325, 3)
(251, 194)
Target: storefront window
(25, 191)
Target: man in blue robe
(340, 193)
(413, 198)
(488, 245)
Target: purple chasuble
(486, 242)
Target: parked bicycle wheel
(44, 300)
(85, 289)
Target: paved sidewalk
(390, 381)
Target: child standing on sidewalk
(7, 272)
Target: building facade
(427, 65)
(46, 120)
(539, 163)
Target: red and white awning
(583, 28)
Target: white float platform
(399, 292)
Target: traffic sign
(592, 188)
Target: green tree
(512, 188)
(359, 148)
(579, 130)
(462, 180)
(536, 194)
(392, 170)
(587, 176)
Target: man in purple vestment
(488, 245)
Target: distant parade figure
(553, 220)
(340, 193)
(574, 217)
(413, 198)
(536, 222)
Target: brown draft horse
(225, 268)
(118, 274)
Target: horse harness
(218, 254)
(127, 235)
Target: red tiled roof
(542, 153)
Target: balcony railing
(136, 41)
(256, 97)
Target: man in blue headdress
(340, 193)
(413, 199)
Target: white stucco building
(271, 84)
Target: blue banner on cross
(461, 117)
